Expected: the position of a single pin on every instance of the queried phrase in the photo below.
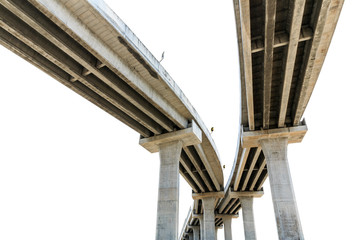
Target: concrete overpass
(86, 46)
(282, 47)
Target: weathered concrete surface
(286, 212)
(248, 218)
(293, 134)
(227, 227)
(191, 236)
(196, 233)
(168, 195)
(201, 220)
(188, 136)
(150, 83)
(209, 218)
(197, 196)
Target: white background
(68, 170)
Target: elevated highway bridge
(86, 46)
(282, 45)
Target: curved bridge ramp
(86, 47)
(282, 46)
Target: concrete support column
(227, 227)
(201, 228)
(196, 232)
(248, 218)
(286, 212)
(170, 145)
(191, 236)
(216, 231)
(168, 195)
(209, 218)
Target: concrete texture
(209, 218)
(197, 196)
(102, 69)
(227, 227)
(248, 218)
(201, 220)
(168, 196)
(188, 136)
(286, 212)
(151, 103)
(293, 134)
(191, 236)
(196, 233)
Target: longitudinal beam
(258, 174)
(24, 51)
(208, 167)
(249, 172)
(191, 154)
(245, 30)
(240, 170)
(54, 34)
(297, 11)
(270, 15)
(326, 22)
(186, 163)
(224, 202)
(88, 39)
(32, 38)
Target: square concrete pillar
(170, 146)
(196, 232)
(201, 228)
(248, 218)
(227, 227)
(168, 194)
(209, 217)
(286, 212)
(191, 236)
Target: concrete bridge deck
(85, 46)
(282, 46)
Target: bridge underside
(282, 46)
(101, 63)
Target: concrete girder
(240, 170)
(30, 55)
(270, 16)
(191, 153)
(297, 11)
(185, 162)
(77, 30)
(249, 172)
(328, 15)
(19, 29)
(257, 176)
(245, 31)
(208, 167)
(54, 34)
